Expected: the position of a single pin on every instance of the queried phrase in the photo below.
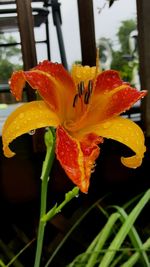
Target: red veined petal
(70, 157)
(65, 86)
(17, 83)
(111, 97)
(90, 149)
(53, 83)
(77, 158)
(25, 118)
(107, 81)
(107, 105)
(58, 71)
(47, 88)
(121, 101)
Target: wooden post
(143, 19)
(87, 32)
(26, 28)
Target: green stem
(47, 165)
(56, 209)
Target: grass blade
(134, 237)
(123, 232)
(134, 258)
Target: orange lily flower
(84, 106)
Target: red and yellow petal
(112, 103)
(59, 73)
(53, 83)
(17, 83)
(77, 158)
(111, 97)
(122, 100)
(107, 81)
(90, 150)
(25, 118)
(125, 131)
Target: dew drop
(32, 132)
(21, 115)
(106, 125)
(77, 195)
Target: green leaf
(124, 230)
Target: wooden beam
(87, 32)
(26, 28)
(143, 19)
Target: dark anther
(75, 100)
(90, 86)
(86, 97)
(81, 88)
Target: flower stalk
(47, 165)
(44, 217)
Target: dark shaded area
(20, 193)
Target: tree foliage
(8, 55)
(119, 56)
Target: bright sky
(107, 22)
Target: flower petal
(77, 158)
(109, 98)
(107, 81)
(17, 83)
(124, 131)
(27, 117)
(112, 96)
(53, 83)
(113, 103)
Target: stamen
(81, 88)
(86, 97)
(75, 100)
(90, 86)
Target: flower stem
(47, 165)
(44, 217)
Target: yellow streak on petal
(27, 117)
(124, 131)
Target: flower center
(83, 93)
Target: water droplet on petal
(21, 115)
(32, 132)
(106, 125)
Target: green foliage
(8, 54)
(6, 69)
(127, 26)
(119, 61)
(118, 242)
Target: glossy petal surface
(124, 131)
(77, 158)
(27, 117)
(17, 83)
(82, 106)
(109, 98)
(53, 83)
